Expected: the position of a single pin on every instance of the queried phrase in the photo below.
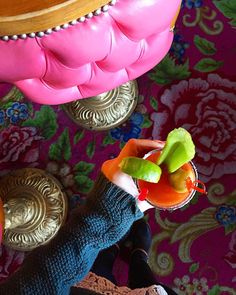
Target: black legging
(140, 273)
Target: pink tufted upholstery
(91, 57)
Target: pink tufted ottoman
(88, 55)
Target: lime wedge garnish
(141, 169)
(178, 150)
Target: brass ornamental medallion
(35, 207)
(104, 111)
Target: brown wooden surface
(26, 16)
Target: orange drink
(162, 195)
(166, 177)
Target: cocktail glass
(161, 195)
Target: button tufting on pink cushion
(91, 57)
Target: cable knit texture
(67, 259)
(91, 57)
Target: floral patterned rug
(193, 249)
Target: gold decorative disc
(107, 110)
(35, 208)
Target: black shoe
(141, 237)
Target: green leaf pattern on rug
(84, 167)
(205, 46)
(146, 122)
(84, 183)
(78, 136)
(230, 228)
(45, 120)
(167, 71)
(228, 8)
(7, 105)
(30, 107)
(193, 267)
(108, 140)
(61, 149)
(90, 150)
(154, 103)
(206, 65)
(18, 96)
(215, 290)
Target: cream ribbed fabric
(102, 286)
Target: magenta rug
(194, 249)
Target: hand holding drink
(111, 168)
(166, 176)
